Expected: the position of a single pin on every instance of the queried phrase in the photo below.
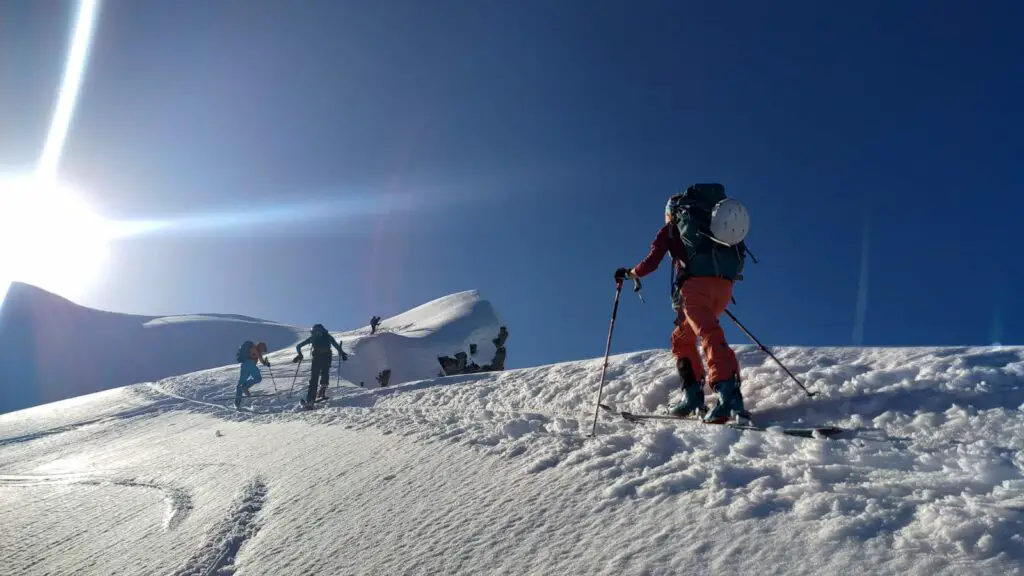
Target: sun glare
(50, 237)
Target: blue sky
(527, 148)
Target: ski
(256, 395)
(808, 432)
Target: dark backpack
(691, 213)
(320, 340)
(243, 353)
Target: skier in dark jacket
(320, 340)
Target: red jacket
(667, 240)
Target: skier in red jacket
(703, 233)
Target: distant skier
(320, 340)
(704, 234)
(374, 322)
(249, 373)
(502, 336)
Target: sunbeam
(283, 213)
(74, 71)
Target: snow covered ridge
(407, 345)
(410, 344)
(929, 473)
(492, 473)
(52, 349)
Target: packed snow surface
(493, 474)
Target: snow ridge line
(227, 539)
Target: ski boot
(693, 391)
(730, 403)
(322, 394)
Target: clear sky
(336, 160)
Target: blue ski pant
(249, 376)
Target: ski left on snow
(809, 432)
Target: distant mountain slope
(52, 349)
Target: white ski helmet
(730, 222)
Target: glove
(623, 273)
(265, 362)
(344, 357)
(297, 359)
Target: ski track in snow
(218, 554)
(492, 473)
(179, 501)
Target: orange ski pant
(704, 298)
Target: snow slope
(492, 474)
(52, 349)
(410, 343)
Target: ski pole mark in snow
(217, 556)
(179, 501)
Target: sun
(50, 237)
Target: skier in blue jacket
(321, 341)
(249, 373)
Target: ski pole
(294, 378)
(607, 351)
(272, 380)
(766, 351)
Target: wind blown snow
(491, 473)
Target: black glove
(623, 273)
(344, 357)
(297, 359)
(265, 362)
